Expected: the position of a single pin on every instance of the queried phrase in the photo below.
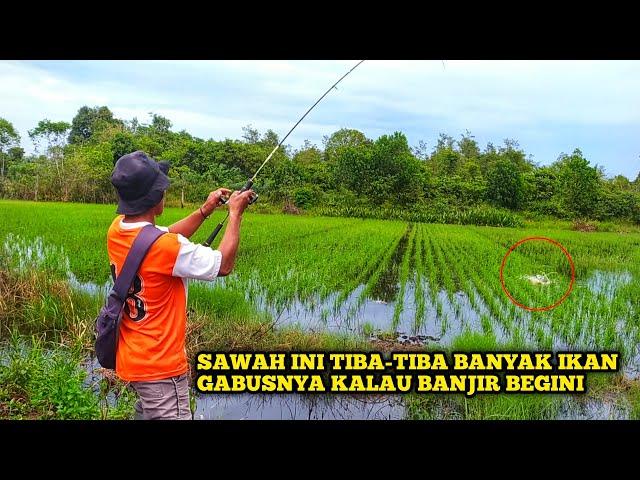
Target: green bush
(304, 197)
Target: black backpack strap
(141, 245)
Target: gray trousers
(166, 399)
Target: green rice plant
(367, 329)
(386, 264)
(429, 266)
(478, 270)
(403, 277)
(419, 293)
(435, 282)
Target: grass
(37, 381)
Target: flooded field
(412, 284)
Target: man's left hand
(214, 200)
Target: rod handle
(213, 235)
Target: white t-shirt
(194, 260)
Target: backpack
(108, 321)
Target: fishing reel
(247, 186)
(224, 201)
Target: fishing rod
(249, 183)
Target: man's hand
(214, 200)
(238, 202)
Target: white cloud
(544, 104)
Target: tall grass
(481, 215)
(37, 381)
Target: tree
(89, 121)
(540, 191)
(153, 138)
(284, 177)
(505, 185)
(16, 154)
(469, 153)
(471, 170)
(54, 134)
(444, 161)
(468, 146)
(9, 139)
(309, 154)
(578, 184)
(512, 151)
(270, 138)
(385, 172)
(122, 144)
(396, 173)
(351, 168)
(132, 126)
(181, 176)
(243, 156)
(445, 142)
(344, 137)
(488, 158)
(250, 135)
(616, 202)
(421, 151)
(159, 124)
(621, 182)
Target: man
(151, 352)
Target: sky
(549, 107)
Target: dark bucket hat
(140, 182)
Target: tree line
(73, 162)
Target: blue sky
(548, 106)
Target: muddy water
(386, 288)
(298, 407)
(343, 407)
(444, 320)
(607, 283)
(376, 312)
(248, 406)
(89, 287)
(592, 409)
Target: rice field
(361, 275)
(431, 284)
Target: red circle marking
(573, 274)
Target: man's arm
(229, 245)
(188, 225)
(202, 263)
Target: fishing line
(249, 183)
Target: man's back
(151, 351)
(152, 335)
